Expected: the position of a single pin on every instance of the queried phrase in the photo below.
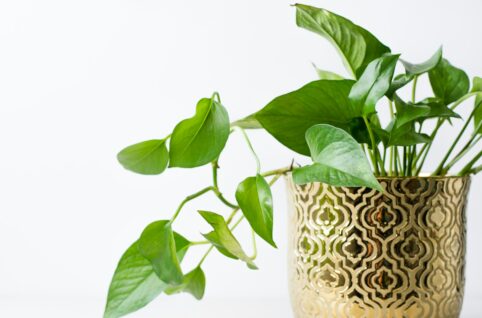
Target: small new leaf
(147, 157)
(373, 83)
(448, 82)
(157, 244)
(357, 46)
(193, 283)
(255, 200)
(223, 239)
(338, 160)
(199, 140)
(418, 69)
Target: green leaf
(134, 283)
(327, 75)
(405, 135)
(223, 239)
(398, 82)
(249, 122)
(438, 109)
(477, 87)
(448, 82)
(255, 200)
(357, 46)
(158, 245)
(418, 69)
(408, 112)
(287, 117)
(338, 160)
(147, 157)
(373, 84)
(194, 283)
(199, 140)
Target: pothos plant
(333, 119)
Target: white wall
(79, 80)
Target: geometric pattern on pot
(360, 253)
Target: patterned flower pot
(360, 253)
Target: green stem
(392, 111)
(276, 172)
(440, 167)
(465, 170)
(467, 147)
(245, 136)
(255, 248)
(475, 170)
(216, 190)
(414, 88)
(373, 150)
(187, 199)
(205, 255)
(216, 95)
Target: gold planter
(360, 253)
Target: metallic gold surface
(359, 253)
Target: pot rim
(289, 175)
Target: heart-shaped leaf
(338, 160)
(357, 46)
(134, 283)
(418, 69)
(147, 157)
(398, 82)
(448, 82)
(158, 245)
(199, 140)
(408, 112)
(373, 83)
(194, 283)
(255, 200)
(287, 117)
(438, 109)
(223, 239)
(405, 135)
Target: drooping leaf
(249, 122)
(194, 283)
(418, 69)
(357, 46)
(134, 283)
(157, 244)
(223, 239)
(448, 82)
(338, 160)
(200, 139)
(327, 75)
(408, 112)
(147, 157)
(287, 117)
(437, 109)
(373, 83)
(398, 82)
(477, 87)
(255, 200)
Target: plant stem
(475, 170)
(205, 255)
(392, 111)
(414, 88)
(468, 146)
(216, 190)
(189, 198)
(277, 171)
(255, 248)
(465, 170)
(258, 164)
(373, 150)
(440, 167)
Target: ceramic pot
(360, 253)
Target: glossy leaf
(199, 140)
(287, 117)
(418, 69)
(448, 82)
(193, 283)
(405, 135)
(373, 83)
(398, 82)
(438, 109)
(255, 200)
(357, 46)
(477, 87)
(157, 244)
(223, 239)
(147, 157)
(249, 122)
(408, 112)
(338, 160)
(134, 283)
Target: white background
(79, 80)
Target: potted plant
(370, 236)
